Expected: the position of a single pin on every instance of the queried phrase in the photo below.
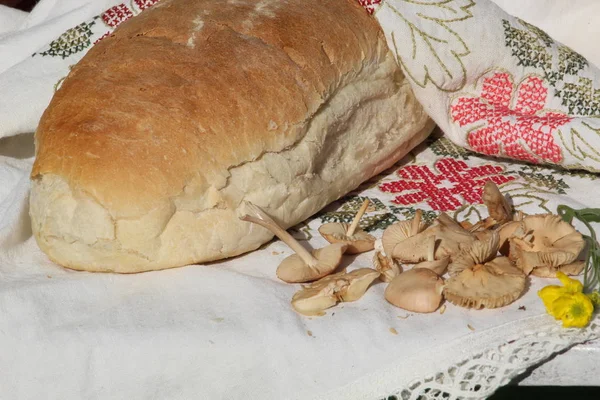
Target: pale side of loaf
(160, 132)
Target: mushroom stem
(431, 249)
(416, 223)
(254, 214)
(483, 224)
(357, 218)
(476, 226)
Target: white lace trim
(479, 375)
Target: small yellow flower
(574, 310)
(571, 285)
(549, 294)
(552, 292)
(568, 303)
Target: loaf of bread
(158, 134)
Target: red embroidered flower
(369, 5)
(143, 4)
(513, 120)
(442, 191)
(117, 14)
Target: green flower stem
(591, 273)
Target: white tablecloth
(226, 330)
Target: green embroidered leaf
(542, 180)
(301, 231)
(569, 61)
(579, 146)
(469, 213)
(543, 36)
(353, 204)
(425, 42)
(533, 48)
(377, 221)
(72, 41)
(409, 213)
(526, 46)
(337, 216)
(527, 194)
(580, 98)
(446, 148)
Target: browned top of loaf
(188, 89)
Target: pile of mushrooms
(481, 265)
(324, 289)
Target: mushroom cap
(478, 252)
(573, 268)
(496, 203)
(359, 242)
(294, 270)
(506, 231)
(449, 236)
(318, 296)
(545, 240)
(314, 300)
(359, 281)
(386, 266)
(398, 232)
(437, 266)
(418, 290)
(491, 285)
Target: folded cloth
(494, 83)
(227, 330)
(36, 54)
(10, 19)
(572, 23)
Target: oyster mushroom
(449, 237)
(418, 290)
(357, 240)
(546, 241)
(318, 296)
(301, 266)
(496, 283)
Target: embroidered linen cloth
(227, 330)
(495, 83)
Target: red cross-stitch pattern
(143, 4)
(117, 14)
(523, 131)
(443, 191)
(369, 5)
(102, 37)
